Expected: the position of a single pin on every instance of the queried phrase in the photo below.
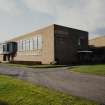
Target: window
(35, 43)
(39, 41)
(4, 47)
(27, 45)
(20, 45)
(81, 41)
(31, 44)
(24, 45)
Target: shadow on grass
(3, 103)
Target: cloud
(10, 7)
(44, 6)
(83, 14)
(20, 16)
(88, 15)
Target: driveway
(83, 85)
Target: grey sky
(21, 16)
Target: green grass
(91, 69)
(18, 92)
(32, 66)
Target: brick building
(97, 46)
(51, 44)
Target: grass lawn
(18, 92)
(91, 69)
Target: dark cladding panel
(67, 43)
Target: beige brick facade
(1, 58)
(46, 54)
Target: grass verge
(33, 66)
(90, 69)
(18, 92)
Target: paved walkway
(88, 86)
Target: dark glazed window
(81, 41)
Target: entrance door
(4, 58)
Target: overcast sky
(21, 16)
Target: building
(51, 44)
(98, 41)
(97, 46)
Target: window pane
(31, 44)
(39, 42)
(24, 45)
(27, 45)
(35, 42)
(20, 45)
(4, 47)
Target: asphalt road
(83, 85)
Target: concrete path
(88, 86)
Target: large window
(30, 44)
(37, 42)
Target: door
(4, 57)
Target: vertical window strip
(22, 45)
(35, 42)
(39, 42)
(18, 45)
(25, 45)
(31, 44)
